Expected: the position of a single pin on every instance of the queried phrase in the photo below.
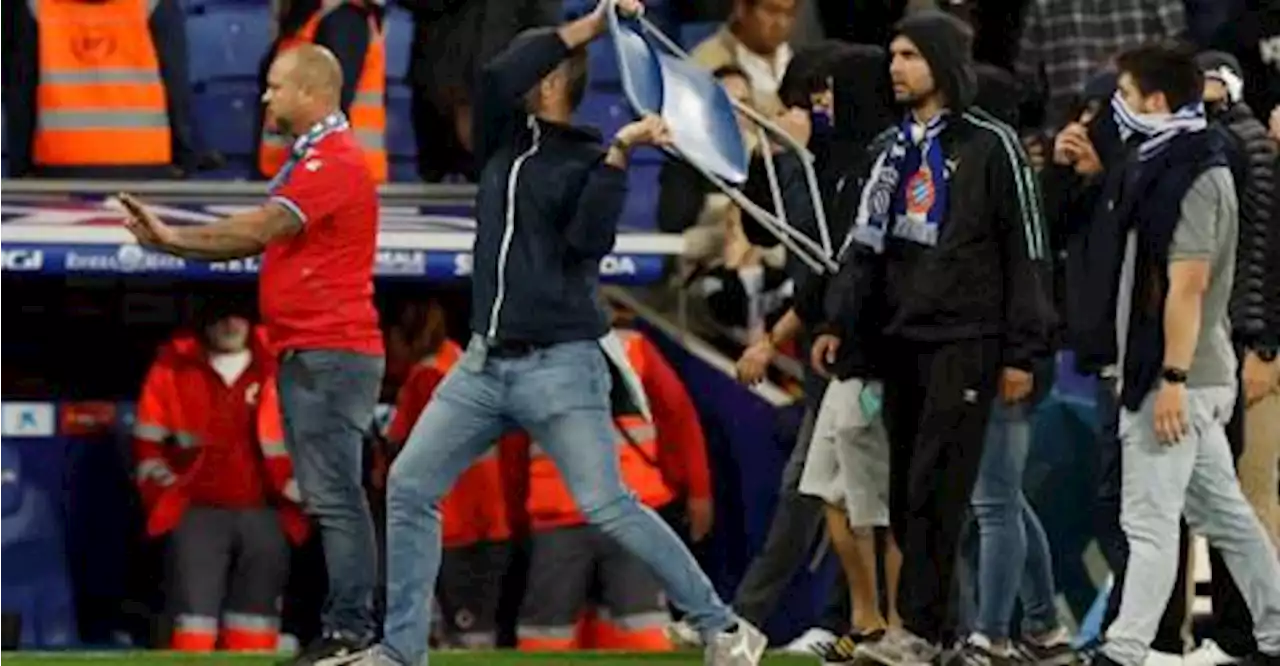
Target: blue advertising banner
(84, 236)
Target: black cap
(946, 43)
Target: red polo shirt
(316, 287)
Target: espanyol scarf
(918, 204)
(1157, 128)
(334, 122)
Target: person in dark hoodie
(1163, 250)
(950, 296)
(1253, 164)
(541, 355)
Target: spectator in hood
(949, 256)
(1254, 430)
(1252, 35)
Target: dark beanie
(946, 43)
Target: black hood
(946, 43)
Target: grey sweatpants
(227, 570)
(1195, 478)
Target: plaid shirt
(1065, 42)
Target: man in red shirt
(318, 233)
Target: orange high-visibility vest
(100, 99)
(551, 504)
(368, 113)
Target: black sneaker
(332, 650)
(1261, 659)
(844, 650)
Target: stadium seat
(197, 6)
(226, 116)
(640, 210)
(693, 34)
(399, 30)
(401, 141)
(228, 42)
(35, 579)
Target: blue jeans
(560, 396)
(1013, 560)
(327, 398)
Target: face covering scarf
(1157, 129)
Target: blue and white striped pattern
(1159, 128)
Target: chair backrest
(703, 123)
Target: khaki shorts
(848, 461)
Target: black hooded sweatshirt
(989, 273)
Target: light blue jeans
(1194, 478)
(1013, 560)
(560, 396)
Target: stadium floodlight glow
(705, 132)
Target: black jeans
(937, 401)
(1111, 539)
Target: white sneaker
(1209, 654)
(811, 640)
(742, 647)
(683, 635)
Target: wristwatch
(1173, 375)
(621, 145)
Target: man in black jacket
(950, 267)
(1253, 164)
(541, 356)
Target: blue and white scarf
(334, 122)
(915, 147)
(1157, 128)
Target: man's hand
(651, 130)
(1015, 385)
(1260, 377)
(1170, 413)
(1072, 146)
(797, 123)
(701, 518)
(150, 230)
(626, 8)
(1273, 123)
(823, 354)
(754, 363)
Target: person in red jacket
(659, 461)
(476, 524)
(215, 478)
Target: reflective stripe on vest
(100, 99)
(368, 113)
